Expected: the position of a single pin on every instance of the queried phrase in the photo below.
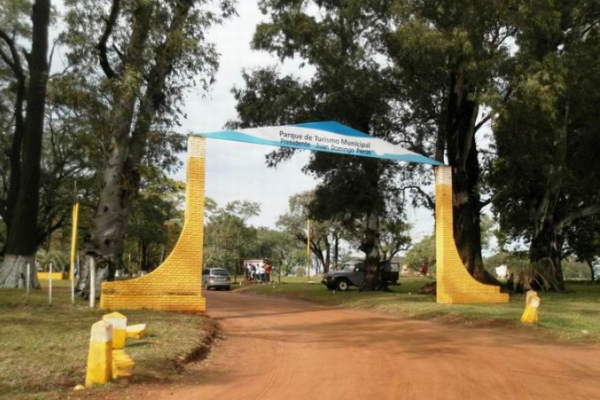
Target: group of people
(259, 272)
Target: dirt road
(286, 350)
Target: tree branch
(494, 112)
(110, 24)
(428, 198)
(15, 63)
(574, 216)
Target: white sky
(237, 171)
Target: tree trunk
(21, 242)
(592, 276)
(336, 251)
(370, 247)
(545, 255)
(14, 272)
(110, 222)
(459, 130)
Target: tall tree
(348, 86)
(143, 55)
(583, 240)
(324, 235)
(449, 62)
(547, 138)
(157, 209)
(227, 235)
(26, 151)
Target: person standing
(261, 273)
(268, 272)
(424, 268)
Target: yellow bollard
(136, 331)
(532, 303)
(119, 326)
(99, 367)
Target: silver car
(217, 278)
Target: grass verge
(43, 348)
(572, 316)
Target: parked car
(217, 278)
(390, 272)
(352, 273)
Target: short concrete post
(119, 326)
(99, 367)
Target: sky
(237, 171)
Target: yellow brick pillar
(176, 284)
(454, 283)
(119, 328)
(99, 366)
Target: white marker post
(92, 283)
(28, 279)
(50, 285)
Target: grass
(43, 348)
(572, 316)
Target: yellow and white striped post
(119, 328)
(73, 254)
(99, 366)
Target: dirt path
(286, 350)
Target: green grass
(573, 316)
(43, 348)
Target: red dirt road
(286, 350)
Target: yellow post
(532, 303)
(74, 240)
(308, 248)
(99, 366)
(119, 328)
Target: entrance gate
(176, 284)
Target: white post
(28, 279)
(50, 285)
(92, 283)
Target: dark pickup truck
(352, 273)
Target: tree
(450, 59)
(142, 56)
(25, 156)
(324, 235)
(546, 175)
(421, 252)
(156, 218)
(282, 248)
(349, 87)
(583, 241)
(227, 235)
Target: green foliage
(323, 234)
(227, 236)
(349, 86)
(155, 224)
(546, 175)
(59, 259)
(421, 252)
